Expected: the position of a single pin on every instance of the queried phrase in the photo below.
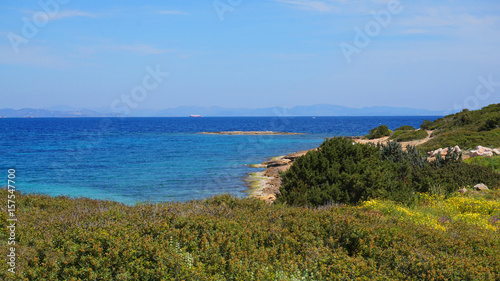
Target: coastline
(265, 185)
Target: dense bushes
(224, 238)
(343, 172)
(405, 128)
(466, 128)
(466, 139)
(380, 131)
(400, 136)
(490, 162)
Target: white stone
(480, 186)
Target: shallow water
(158, 159)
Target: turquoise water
(133, 160)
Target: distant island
(214, 111)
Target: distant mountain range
(185, 111)
(33, 112)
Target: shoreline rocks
(266, 184)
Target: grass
(490, 162)
(224, 238)
(466, 129)
(464, 138)
(400, 136)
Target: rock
(462, 190)
(258, 166)
(444, 151)
(482, 151)
(487, 153)
(276, 163)
(293, 156)
(480, 186)
(437, 151)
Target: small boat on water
(193, 115)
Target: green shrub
(410, 135)
(224, 238)
(490, 162)
(466, 128)
(343, 172)
(405, 128)
(466, 139)
(396, 134)
(379, 132)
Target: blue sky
(438, 55)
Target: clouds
(71, 14)
(172, 12)
(317, 6)
(142, 49)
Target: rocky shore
(266, 184)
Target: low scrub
(466, 129)
(400, 136)
(343, 172)
(490, 162)
(379, 132)
(405, 128)
(464, 138)
(225, 238)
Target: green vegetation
(400, 136)
(343, 172)
(225, 238)
(490, 162)
(379, 132)
(466, 129)
(464, 138)
(437, 212)
(396, 134)
(405, 128)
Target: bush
(405, 128)
(466, 139)
(226, 238)
(343, 172)
(466, 128)
(396, 134)
(379, 132)
(410, 135)
(490, 162)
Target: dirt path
(404, 144)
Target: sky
(436, 55)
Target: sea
(140, 160)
